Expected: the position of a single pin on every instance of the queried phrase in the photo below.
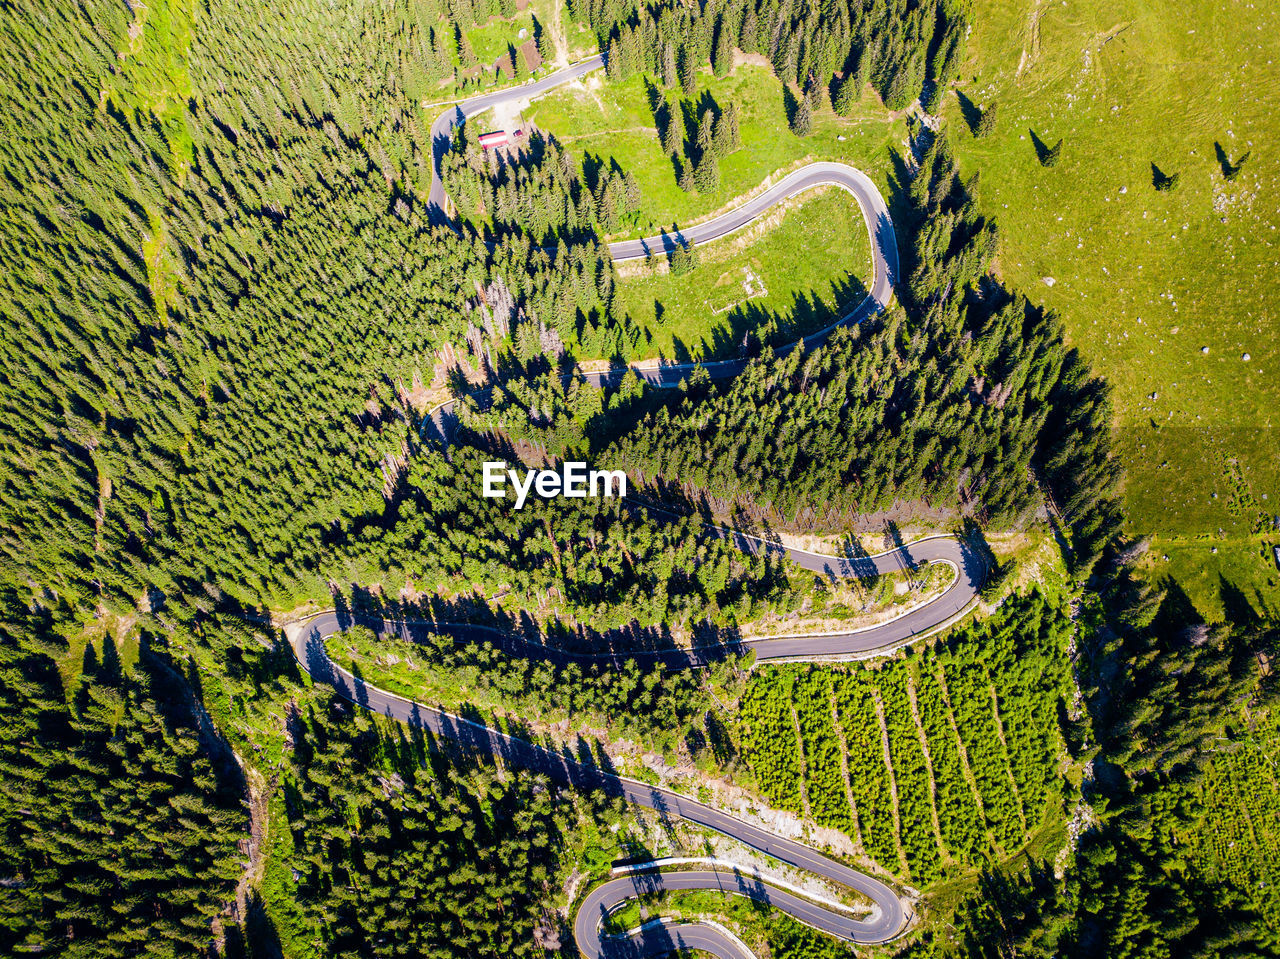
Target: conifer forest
(251, 374)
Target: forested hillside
(968, 776)
(957, 399)
(172, 417)
(396, 852)
(894, 44)
(120, 808)
(225, 316)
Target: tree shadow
(790, 104)
(1162, 181)
(1229, 170)
(1044, 152)
(1239, 611)
(971, 113)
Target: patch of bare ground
(259, 794)
(750, 59)
(558, 40)
(572, 885)
(1028, 56)
(571, 137)
(893, 780)
(928, 765)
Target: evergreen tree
(722, 56)
(847, 95)
(705, 142)
(688, 74)
(613, 61)
(986, 120)
(706, 175)
(802, 119)
(668, 131)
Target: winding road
(887, 917)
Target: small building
(1275, 554)
(497, 138)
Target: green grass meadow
(1145, 279)
(819, 254)
(613, 121)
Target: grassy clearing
(1146, 279)
(153, 71)
(613, 122)
(813, 263)
(491, 40)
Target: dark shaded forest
(959, 398)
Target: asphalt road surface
(887, 917)
(875, 214)
(442, 129)
(660, 939)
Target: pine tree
(685, 179)
(542, 40)
(688, 73)
(669, 130)
(613, 61)
(847, 95)
(722, 57)
(706, 176)
(726, 138)
(986, 120)
(631, 192)
(705, 142)
(748, 38)
(820, 95)
(802, 119)
(670, 75)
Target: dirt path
(1029, 57)
(259, 796)
(804, 766)
(557, 36)
(588, 136)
